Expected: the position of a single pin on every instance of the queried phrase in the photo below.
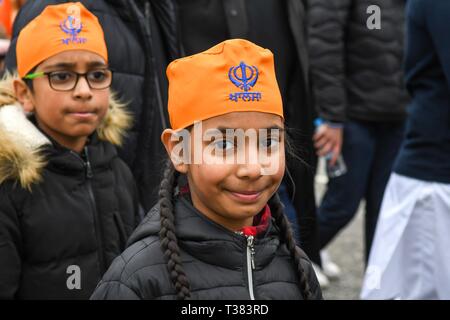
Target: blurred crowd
(8, 12)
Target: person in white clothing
(410, 258)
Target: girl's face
(71, 116)
(231, 194)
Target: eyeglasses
(67, 80)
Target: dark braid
(167, 234)
(283, 224)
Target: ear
(177, 149)
(24, 95)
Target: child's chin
(248, 209)
(84, 131)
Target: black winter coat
(214, 259)
(141, 40)
(63, 218)
(357, 72)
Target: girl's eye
(224, 145)
(61, 76)
(269, 143)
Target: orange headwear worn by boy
(59, 28)
(235, 75)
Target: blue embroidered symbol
(72, 25)
(244, 77)
(247, 77)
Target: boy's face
(231, 194)
(69, 117)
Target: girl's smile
(246, 197)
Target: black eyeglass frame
(32, 76)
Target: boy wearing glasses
(67, 202)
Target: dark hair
(282, 222)
(294, 155)
(171, 250)
(29, 82)
(167, 234)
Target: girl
(67, 202)
(219, 231)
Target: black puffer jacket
(59, 212)
(214, 259)
(357, 72)
(140, 36)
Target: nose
(82, 89)
(250, 171)
(250, 168)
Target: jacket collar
(216, 245)
(208, 241)
(260, 223)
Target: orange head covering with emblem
(235, 75)
(59, 28)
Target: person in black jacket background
(359, 93)
(68, 203)
(141, 40)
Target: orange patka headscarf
(235, 75)
(59, 28)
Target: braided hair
(169, 243)
(283, 224)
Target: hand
(328, 139)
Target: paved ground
(347, 251)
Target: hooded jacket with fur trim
(63, 216)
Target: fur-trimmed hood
(21, 143)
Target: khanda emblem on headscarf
(72, 25)
(244, 77)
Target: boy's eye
(97, 75)
(61, 76)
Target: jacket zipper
(250, 252)
(98, 232)
(250, 264)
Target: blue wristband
(335, 125)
